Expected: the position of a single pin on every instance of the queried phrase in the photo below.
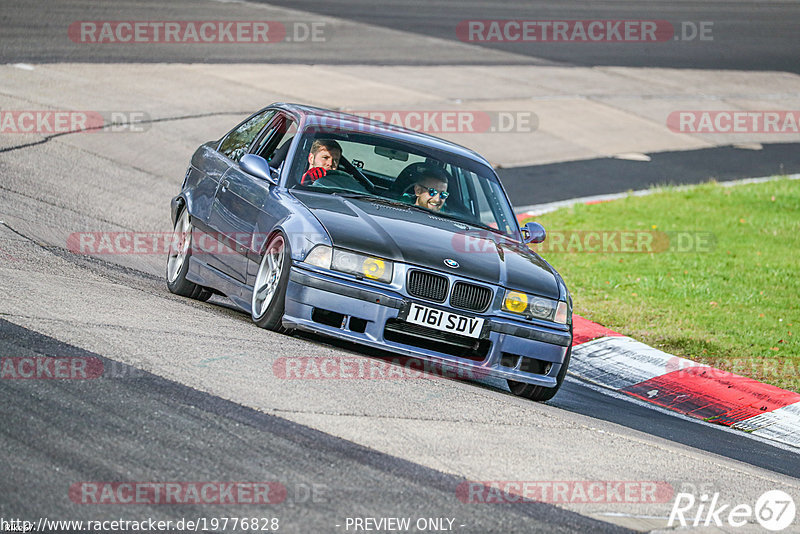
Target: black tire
(178, 262)
(541, 393)
(268, 301)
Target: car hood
(405, 234)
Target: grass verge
(710, 273)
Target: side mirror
(257, 166)
(533, 232)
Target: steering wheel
(357, 174)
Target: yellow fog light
(362, 266)
(515, 302)
(374, 268)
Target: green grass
(733, 304)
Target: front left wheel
(269, 289)
(541, 393)
(178, 261)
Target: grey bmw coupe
(325, 222)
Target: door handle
(224, 185)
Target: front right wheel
(269, 289)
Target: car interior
(372, 165)
(384, 168)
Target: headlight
(362, 266)
(320, 256)
(533, 306)
(359, 265)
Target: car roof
(347, 121)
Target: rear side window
(276, 140)
(237, 142)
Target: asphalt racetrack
(190, 395)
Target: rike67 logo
(774, 510)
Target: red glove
(312, 175)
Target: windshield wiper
(378, 199)
(456, 218)
(347, 193)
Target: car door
(240, 202)
(213, 245)
(205, 172)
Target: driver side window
(236, 143)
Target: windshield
(376, 167)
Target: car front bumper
(515, 350)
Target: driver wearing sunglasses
(431, 192)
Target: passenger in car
(323, 157)
(431, 190)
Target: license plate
(445, 321)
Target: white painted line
(541, 209)
(619, 362)
(23, 66)
(633, 516)
(749, 146)
(632, 156)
